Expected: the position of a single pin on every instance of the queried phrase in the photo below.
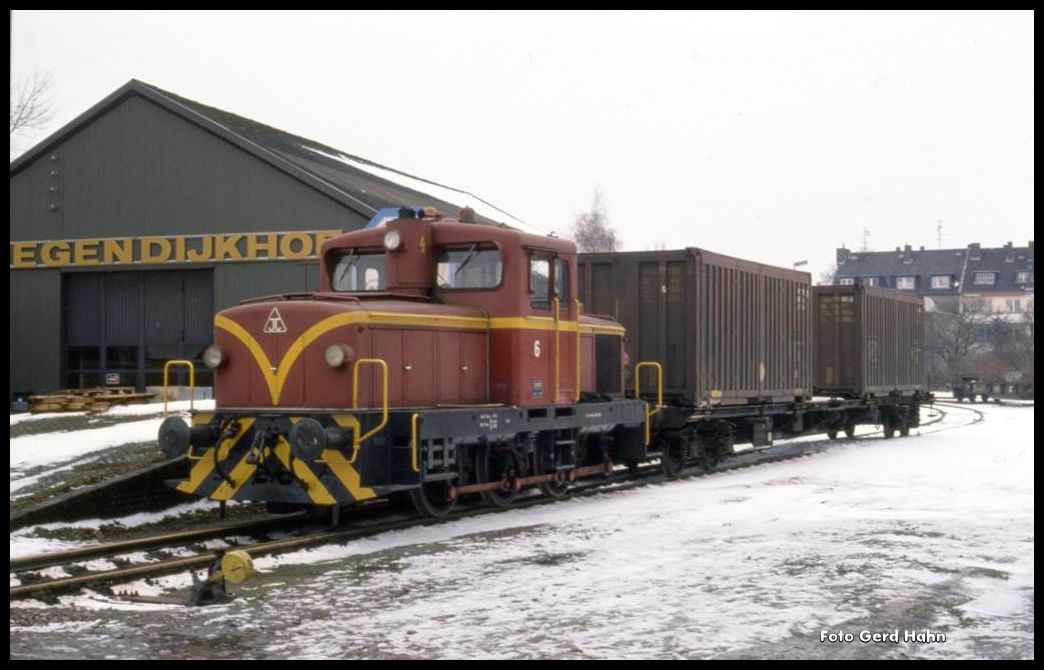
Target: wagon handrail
(384, 399)
(659, 383)
(192, 382)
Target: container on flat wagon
(868, 342)
(725, 330)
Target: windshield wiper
(348, 261)
(472, 252)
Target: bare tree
(826, 277)
(31, 103)
(951, 338)
(591, 230)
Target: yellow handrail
(413, 443)
(659, 383)
(554, 309)
(576, 394)
(355, 399)
(192, 383)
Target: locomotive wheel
(673, 458)
(493, 464)
(554, 489)
(432, 499)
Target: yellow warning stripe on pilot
(205, 465)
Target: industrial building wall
(35, 329)
(238, 281)
(139, 170)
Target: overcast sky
(770, 136)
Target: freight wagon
(869, 342)
(726, 331)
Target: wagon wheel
(832, 433)
(889, 427)
(711, 452)
(432, 499)
(672, 459)
(850, 429)
(497, 463)
(904, 426)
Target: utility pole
(938, 232)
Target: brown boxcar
(725, 330)
(869, 342)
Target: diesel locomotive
(442, 358)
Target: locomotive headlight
(392, 240)
(336, 355)
(214, 356)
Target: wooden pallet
(92, 400)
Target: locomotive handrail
(414, 450)
(555, 306)
(576, 394)
(192, 382)
(355, 399)
(659, 383)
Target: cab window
(562, 284)
(473, 267)
(540, 280)
(354, 271)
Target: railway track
(621, 479)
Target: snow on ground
(63, 448)
(931, 533)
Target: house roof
(959, 264)
(360, 184)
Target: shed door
(120, 328)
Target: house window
(940, 281)
(1022, 277)
(905, 283)
(1013, 305)
(985, 278)
(869, 281)
(845, 281)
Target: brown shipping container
(869, 341)
(725, 330)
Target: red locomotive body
(370, 384)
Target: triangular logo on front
(275, 322)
